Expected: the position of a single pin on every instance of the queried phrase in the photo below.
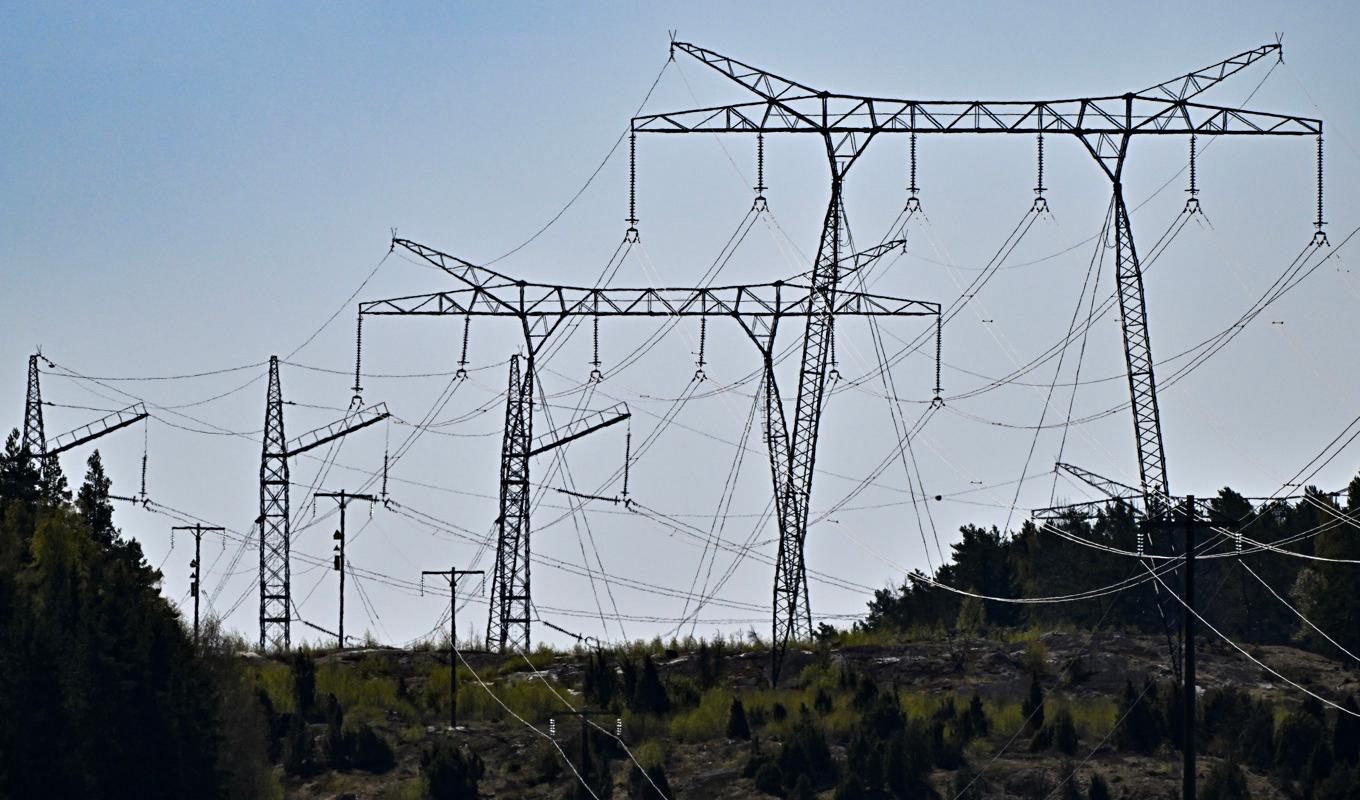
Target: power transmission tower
(43, 450)
(452, 574)
(196, 569)
(35, 437)
(343, 498)
(542, 308)
(276, 601)
(846, 123)
(511, 599)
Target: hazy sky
(185, 190)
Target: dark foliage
(649, 696)
(1034, 562)
(737, 726)
(451, 772)
(98, 679)
(652, 786)
(1225, 782)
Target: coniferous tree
(737, 725)
(1098, 790)
(1033, 706)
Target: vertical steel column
(508, 620)
(35, 437)
(275, 577)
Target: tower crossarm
(582, 426)
(1131, 114)
(104, 425)
(356, 420)
(1200, 80)
(766, 84)
(1106, 486)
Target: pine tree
(1098, 789)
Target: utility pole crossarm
(1109, 487)
(358, 420)
(591, 422)
(86, 433)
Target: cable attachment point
(1040, 202)
(760, 204)
(461, 374)
(913, 201)
(631, 235)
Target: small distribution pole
(452, 574)
(342, 498)
(194, 566)
(1188, 625)
(585, 713)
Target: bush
(737, 726)
(1098, 790)
(770, 779)
(369, 750)
(1033, 708)
(450, 772)
(651, 786)
(1225, 782)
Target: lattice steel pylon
(44, 451)
(275, 523)
(542, 308)
(35, 436)
(508, 622)
(846, 123)
(275, 520)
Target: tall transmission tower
(276, 600)
(847, 123)
(35, 440)
(542, 308)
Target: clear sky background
(187, 190)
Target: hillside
(845, 695)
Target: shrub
(1098, 790)
(737, 726)
(450, 773)
(770, 779)
(369, 750)
(1225, 782)
(1033, 707)
(649, 697)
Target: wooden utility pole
(452, 574)
(194, 568)
(342, 498)
(1188, 626)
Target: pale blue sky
(185, 189)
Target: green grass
(363, 696)
(708, 721)
(277, 681)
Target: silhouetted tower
(35, 437)
(508, 623)
(275, 580)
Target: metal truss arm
(1189, 85)
(1110, 488)
(766, 84)
(588, 424)
(87, 433)
(359, 420)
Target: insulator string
(1320, 237)
(358, 359)
(632, 233)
